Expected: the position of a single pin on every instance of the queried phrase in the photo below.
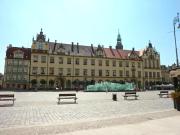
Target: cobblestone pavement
(41, 108)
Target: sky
(91, 22)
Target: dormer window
(61, 49)
(18, 54)
(99, 51)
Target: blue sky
(91, 22)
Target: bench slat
(7, 97)
(67, 96)
(130, 94)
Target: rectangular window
(34, 70)
(77, 61)
(139, 65)
(107, 72)
(145, 63)
(20, 62)
(127, 73)
(150, 74)
(146, 74)
(77, 72)
(9, 62)
(114, 63)
(43, 59)
(60, 60)
(107, 62)
(150, 65)
(100, 62)
(85, 61)
(120, 73)
(43, 70)
(92, 61)
(85, 72)
(68, 71)
(25, 63)
(133, 73)
(127, 64)
(51, 70)
(158, 74)
(154, 74)
(35, 58)
(133, 64)
(51, 59)
(25, 70)
(60, 71)
(15, 62)
(139, 73)
(100, 72)
(68, 60)
(120, 64)
(14, 69)
(92, 72)
(114, 72)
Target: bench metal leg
(58, 101)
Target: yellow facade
(68, 66)
(61, 65)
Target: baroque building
(69, 65)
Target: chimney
(54, 45)
(72, 47)
(92, 48)
(77, 47)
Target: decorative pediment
(133, 55)
(61, 49)
(99, 51)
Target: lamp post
(176, 20)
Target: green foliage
(42, 81)
(34, 81)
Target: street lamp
(176, 20)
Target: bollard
(114, 97)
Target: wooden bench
(7, 97)
(164, 93)
(67, 96)
(130, 94)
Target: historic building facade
(17, 63)
(1, 81)
(68, 65)
(52, 64)
(165, 73)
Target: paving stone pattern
(41, 108)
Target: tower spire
(119, 36)
(119, 44)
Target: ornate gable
(60, 49)
(99, 51)
(133, 55)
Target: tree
(51, 82)
(42, 81)
(34, 82)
